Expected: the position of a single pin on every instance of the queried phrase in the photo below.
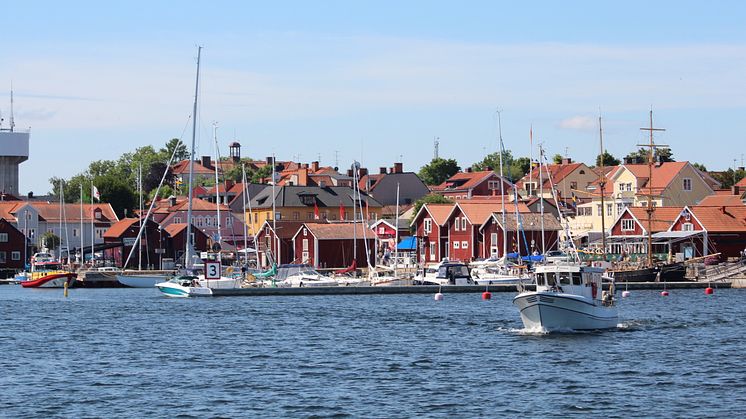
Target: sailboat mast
(274, 213)
(217, 184)
(541, 200)
(602, 187)
(82, 237)
(650, 209)
(245, 225)
(139, 242)
(502, 185)
(189, 242)
(396, 234)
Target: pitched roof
(661, 218)
(529, 221)
(50, 211)
(465, 181)
(439, 212)
(479, 212)
(328, 196)
(721, 219)
(182, 167)
(663, 174)
(741, 183)
(175, 228)
(339, 231)
(557, 172)
(286, 229)
(720, 200)
(121, 226)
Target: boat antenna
(189, 242)
(652, 148)
(12, 120)
(563, 220)
(541, 200)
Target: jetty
(432, 289)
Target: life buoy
(594, 290)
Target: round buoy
(625, 294)
(664, 293)
(439, 296)
(709, 291)
(486, 295)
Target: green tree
(264, 172)
(699, 166)
(640, 156)
(519, 168)
(557, 158)
(117, 192)
(729, 177)
(181, 150)
(152, 178)
(50, 240)
(438, 170)
(608, 159)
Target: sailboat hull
(141, 281)
(551, 311)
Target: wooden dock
(432, 289)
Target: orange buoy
(709, 291)
(664, 293)
(486, 295)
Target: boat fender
(594, 289)
(301, 284)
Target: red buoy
(709, 291)
(486, 295)
(664, 293)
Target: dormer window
(97, 214)
(307, 199)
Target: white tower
(14, 148)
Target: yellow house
(305, 203)
(628, 185)
(566, 177)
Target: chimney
(468, 170)
(566, 160)
(229, 184)
(363, 171)
(735, 190)
(304, 166)
(172, 200)
(398, 168)
(382, 170)
(314, 166)
(207, 162)
(303, 176)
(349, 172)
(269, 160)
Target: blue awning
(409, 243)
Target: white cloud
(580, 122)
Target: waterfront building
(383, 185)
(566, 177)
(331, 245)
(469, 184)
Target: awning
(676, 234)
(408, 243)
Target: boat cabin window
(551, 279)
(577, 279)
(564, 278)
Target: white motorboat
(302, 275)
(568, 296)
(498, 271)
(141, 281)
(383, 277)
(444, 273)
(183, 286)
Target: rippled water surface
(132, 352)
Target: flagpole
(93, 237)
(82, 237)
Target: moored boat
(445, 273)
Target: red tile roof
(661, 218)
(741, 183)
(118, 228)
(557, 172)
(720, 200)
(479, 212)
(339, 231)
(663, 174)
(722, 219)
(463, 181)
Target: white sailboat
(190, 284)
(383, 278)
(568, 295)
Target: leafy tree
(429, 199)
(117, 192)
(438, 170)
(519, 168)
(701, 167)
(263, 172)
(513, 168)
(181, 150)
(729, 177)
(557, 158)
(153, 177)
(50, 240)
(608, 159)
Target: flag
(341, 211)
(96, 194)
(315, 211)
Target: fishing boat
(568, 296)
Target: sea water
(133, 352)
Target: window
(687, 227)
(309, 216)
(15, 255)
(464, 245)
(200, 221)
(493, 185)
(75, 232)
(278, 216)
(463, 223)
(305, 232)
(305, 244)
(585, 211)
(456, 244)
(599, 210)
(687, 184)
(432, 251)
(629, 187)
(609, 208)
(628, 224)
(177, 220)
(428, 227)
(97, 214)
(573, 185)
(3, 237)
(456, 224)
(619, 208)
(296, 215)
(208, 221)
(582, 172)
(3, 257)
(100, 233)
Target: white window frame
(432, 251)
(687, 227)
(463, 223)
(456, 224)
(687, 182)
(428, 226)
(628, 224)
(456, 244)
(305, 245)
(15, 255)
(464, 244)
(3, 237)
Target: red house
(628, 234)
(278, 246)
(177, 240)
(703, 230)
(124, 233)
(331, 245)
(11, 249)
(465, 185)
(432, 232)
(524, 233)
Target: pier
(432, 289)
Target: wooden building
(331, 245)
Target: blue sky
(374, 81)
